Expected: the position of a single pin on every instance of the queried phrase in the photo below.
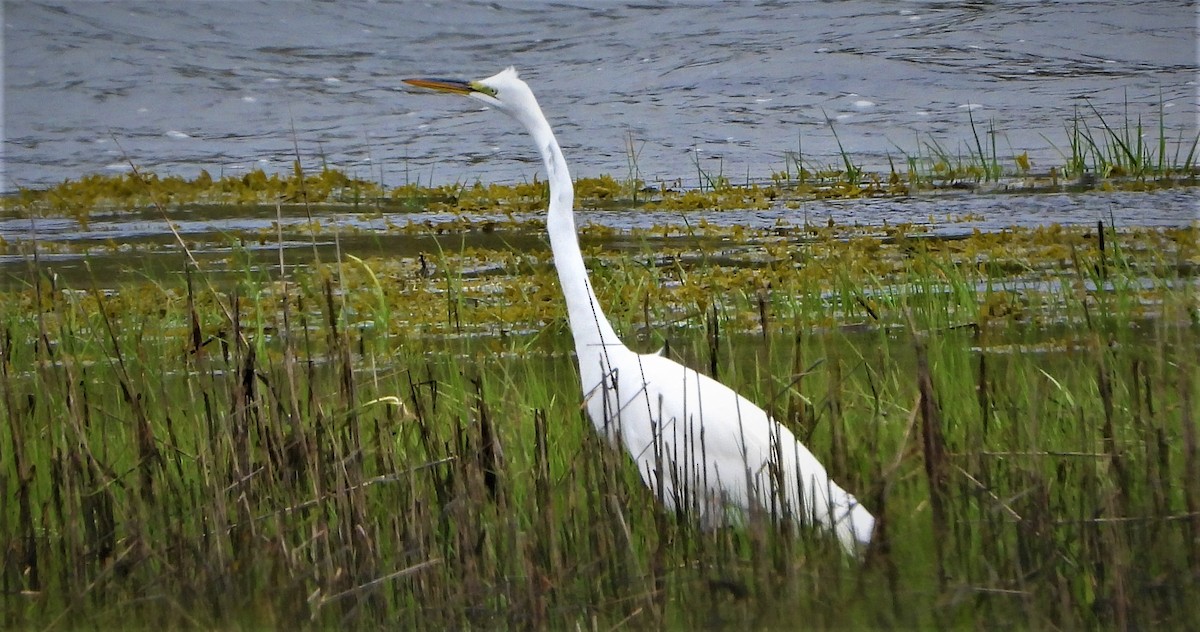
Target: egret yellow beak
(452, 86)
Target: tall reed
(314, 459)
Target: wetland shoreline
(320, 418)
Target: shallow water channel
(116, 245)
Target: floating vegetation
(1095, 155)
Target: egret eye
(479, 87)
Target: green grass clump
(1098, 155)
(361, 444)
(1105, 152)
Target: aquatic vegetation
(139, 190)
(1097, 155)
(397, 440)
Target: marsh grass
(1100, 150)
(339, 447)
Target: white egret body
(700, 446)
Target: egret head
(504, 91)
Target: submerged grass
(340, 446)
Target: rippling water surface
(181, 86)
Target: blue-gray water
(228, 86)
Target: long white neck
(593, 333)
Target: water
(182, 86)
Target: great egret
(700, 446)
